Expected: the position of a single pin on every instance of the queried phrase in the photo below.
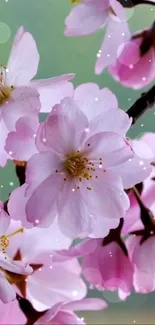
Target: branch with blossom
(79, 174)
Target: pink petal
(117, 33)
(4, 222)
(3, 154)
(40, 167)
(111, 147)
(41, 209)
(106, 197)
(7, 292)
(73, 214)
(24, 101)
(92, 100)
(21, 143)
(11, 314)
(86, 304)
(16, 205)
(133, 171)
(22, 64)
(17, 267)
(131, 69)
(63, 285)
(60, 134)
(53, 90)
(107, 122)
(85, 19)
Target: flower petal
(41, 209)
(93, 101)
(24, 101)
(22, 64)
(85, 19)
(53, 90)
(7, 292)
(21, 143)
(117, 33)
(86, 304)
(4, 222)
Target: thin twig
(142, 105)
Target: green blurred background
(59, 55)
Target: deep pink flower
(91, 15)
(135, 64)
(50, 282)
(63, 313)
(105, 266)
(142, 258)
(7, 292)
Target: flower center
(75, 1)
(4, 241)
(5, 92)
(75, 165)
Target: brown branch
(142, 105)
(133, 3)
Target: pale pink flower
(50, 282)
(135, 63)
(67, 131)
(18, 96)
(63, 313)
(74, 170)
(91, 15)
(23, 65)
(7, 292)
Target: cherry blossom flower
(91, 15)
(106, 267)
(19, 97)
(7, 265)
(77, 172)
(64, 313)
(50, 282)
(135, 64)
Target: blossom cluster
(80, 176)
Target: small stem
(142, 105)
(146, 214)
(133, 3)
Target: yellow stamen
(15, 232)
(75, 1)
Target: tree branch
(142, 105)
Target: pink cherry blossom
(105, 266)
(7, 292)
(79, 193)
(63, 313)
(91, 15)
(135, 64)
(23, 65)
(108, 268)
(50, 282)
